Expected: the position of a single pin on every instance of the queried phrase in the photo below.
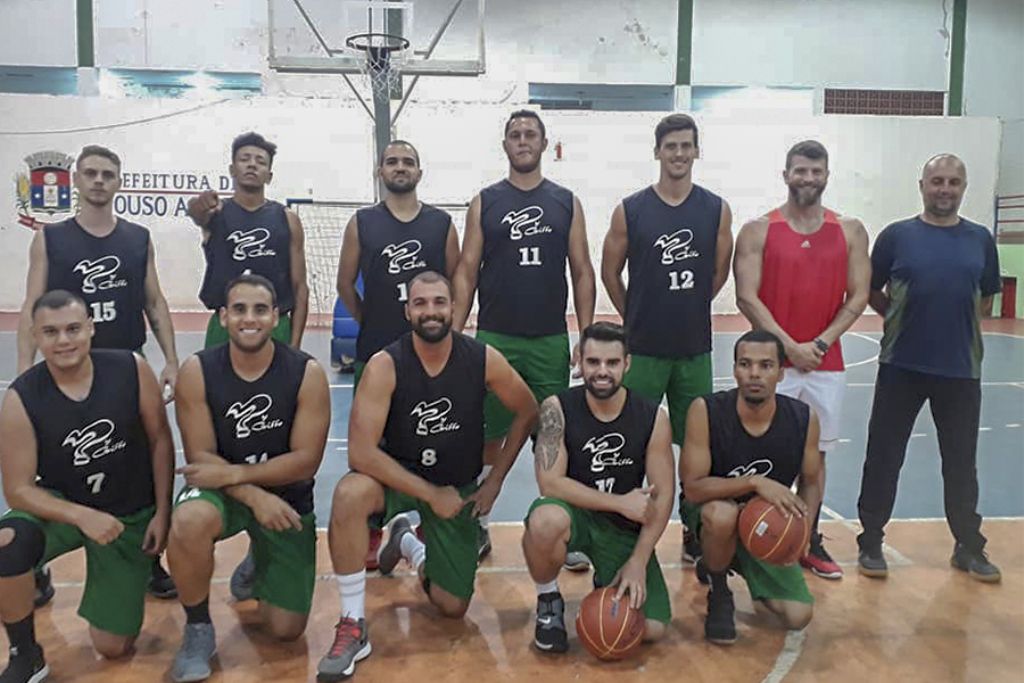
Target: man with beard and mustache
(519, 234)
(387, 245)
(249, 233)
(933, 277)
(415, 443)
(803, 274)
(595, 446)
(746, 442)
(111, 264)
(677, 239)
(254, 415)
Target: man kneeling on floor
(595, 446)
(423, 395)
(740, 443)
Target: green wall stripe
(956, 58)
(86, 53)
(684, 43)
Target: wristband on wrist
(822, 346)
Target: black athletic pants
(956, 406)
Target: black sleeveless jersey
(391, 253)
(253, 420)
(109, 273)
(608, 456)
(435, 426)
(256, 241)
(94, 452)
(777, 454)
(671, 256)
(523, 290)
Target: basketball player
(87, 460)
(932, 278)
(519, 234)
(387, 245)
(803, 273)
(111, 264)
(254, 415)
(677, 239)
(250, 233)
(740, 443)
(595, 446)
(423, 395)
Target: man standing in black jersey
(87, 460)
(416, 438)
(520, 232)
(254, 415)
(740, 443)
(111, 264)
(595, 447)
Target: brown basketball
(608, 629)
(771, 536)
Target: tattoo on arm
(552, 427)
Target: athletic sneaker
(575, 561)
(483, 543)
(25, 667)
(391, 553)
(976, 564)
(243, 578)
(701, 570)
(198, 645)
(871, 562)
(44, 587)
(720, 624)
(161, 585)
(549, 634)
(819, 561)
(351, 644)
(376, 536)
(691, 547)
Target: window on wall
(885, 102)
(602, 97)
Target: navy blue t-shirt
(937, 277)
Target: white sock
(549, 587)
(483, 519)
(413, 550)
(352, 588)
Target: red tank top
(803, 280)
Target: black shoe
(25, 667)
(701, 570)
(871, 562)
(549, 634)
(483, 543)
(44, 587)
(161, 585)
(691, 548)
(719, 624)
(976, 564)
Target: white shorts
(823, 391)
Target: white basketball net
(381, 58)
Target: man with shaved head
(932, 277)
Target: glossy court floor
(925, 623)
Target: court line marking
(792, 648)
(897, 557)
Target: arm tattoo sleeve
(552, 428)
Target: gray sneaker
(871, 562)
(351, 644)
(198, 645)
(576, 561)
(391, 552)
(243, 578)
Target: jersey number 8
(428, 458)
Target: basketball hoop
(382, 52)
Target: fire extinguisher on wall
(558, 151)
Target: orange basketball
(771, 536)
(608, 629)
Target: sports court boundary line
(898, 557)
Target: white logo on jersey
(250, 244)
(432, 417)
(605, 450)
(251, 416)
(403, 256)
(525, 222)
(762, 467)
(806, 244)
(93, 441)
(676, 246)
(99, 274)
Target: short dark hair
(254, 280)
(605, 332)
(56, 299)
(671, 124)
(252, 139)
(98, 151)
(526, 114)
(383, 152)
(759, 337)
(431, 277)
(809, 149)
